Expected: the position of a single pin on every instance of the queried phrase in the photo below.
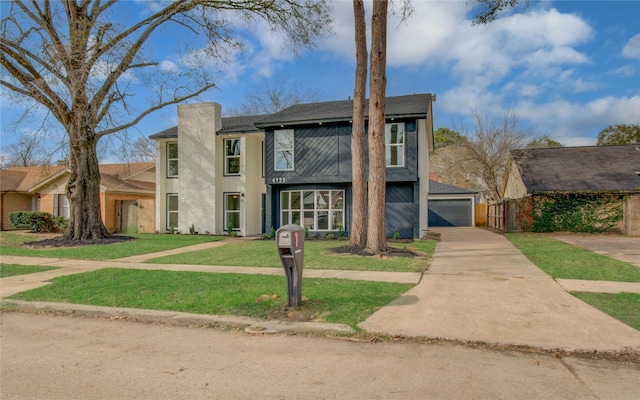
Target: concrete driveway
(623, 248)
(479, 287)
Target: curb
(249, 325)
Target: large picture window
(232, 211)
(232, 156)
(172, 211)
(172, 160)
(315, 210)
(283, 150)
(394, 144)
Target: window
(61, 206)
(315, 210)
(394, 144)
(232, 211)
(232, 156)
(172, 211)
(172, 160)
(283, 150)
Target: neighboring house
(308, 165)
(209, 173)
(594, 171)
(257, 172)
(43, 189)
(16, 193)
(451, 205)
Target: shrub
(61, 223)
(35, 221)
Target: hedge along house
(209, 173)
(576, 188)
(308, 165)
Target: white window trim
(404, 139)
(172, 159)
(330, 210)
(238, 211)
(276, 151)
(227, 157)
(169, 212)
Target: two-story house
(257, 172)
(308, 165)
(209, 173)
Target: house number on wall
(279, 180)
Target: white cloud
(169, 66)
(626, 71)
(632, 48)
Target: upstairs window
(232, 156)
(283, 150)
(172, 160)
(394, 144)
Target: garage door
(450, 213)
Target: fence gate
(135, 216)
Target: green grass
(11, 244)
(7, 270)
(333, 300)
(564, 261)
(622, 306)
(317, 255)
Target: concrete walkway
(479, 287)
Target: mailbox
(290, 242)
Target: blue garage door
(450, 213)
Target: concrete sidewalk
(480, 288)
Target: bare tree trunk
(376, 238)
(83, 188)
(358, 233)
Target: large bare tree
(77, 58)
(358, 233)
(273, 95)
(489, 145)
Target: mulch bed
(392, 252)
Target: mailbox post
(290, 242)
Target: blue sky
(567, 68)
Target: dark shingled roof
(442, 188)
(242, 124)
(608, 168)
(416, 105)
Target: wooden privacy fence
(481, 214)
(135, 216)
(510, 215)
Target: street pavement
(503, 322)
(53, 357)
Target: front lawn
(7, 270)
(317, 255)
(564, 261)
(12, 244)
(331, 300)
(621, 306)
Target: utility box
(290, 242)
